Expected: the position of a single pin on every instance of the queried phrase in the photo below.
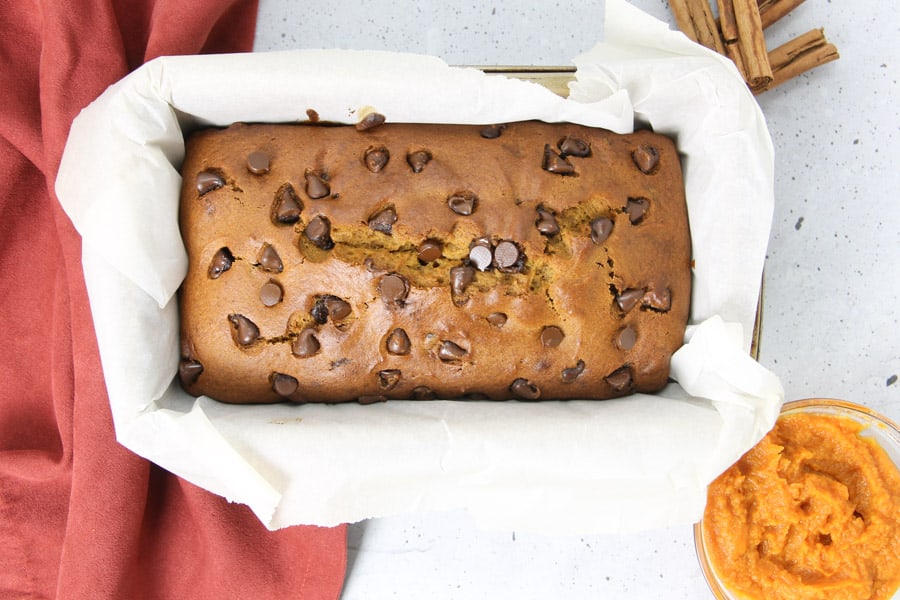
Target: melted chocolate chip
(658, 300)
(258, 162)
(506, 255)
(221, 262)
(497, 319)
(429, 251)
(552, 336)
(271, 293)
(620, 379)
(570, 146)
(480, 256)
(546, 222)
(460, 279)
(208, 181)
(316, 186)
(371, 399)
(451, 351)
(423, 392)
(243, 330)
(646, 158)
(637, 209)
(418, 159)
(283, 385)
(629, 298)
(570, 374)
(626, 338)
(287, 206)
(189, 370)
(318, 231)
(492, 132)
(376, 158)
(524, 389)
(383, 220)
(389, 378)
(269, 260)
(370, 121)
(463, 203)
(555, 163)
(306, 344)
(601, 227)
(393, 288)
(398, 343)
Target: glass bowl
(878, 427)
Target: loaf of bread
(416, 261)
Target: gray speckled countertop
(831, 313)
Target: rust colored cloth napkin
(81, 516)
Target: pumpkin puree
(812, 511)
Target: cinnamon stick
(799, 55)
(772, 10)
(752, 44)
(727, 21)
(695, 20)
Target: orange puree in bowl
(812, 511)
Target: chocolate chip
(243, 330)
(271, 293)
(524, 389)
(376, 158)
(620, 379)
(370, 121)
(318, 231)
(659, 300)
(306, 344)
(492, 132)
(423, 392)
(460, 279)
(287, 206)
(629, 298)
(646, 157)
(463, 203)
(329, 306)
(258, 162)
(570, 374)
(371, 399)
(316, 186)
(383, 220)
(552, 336)
(283, 385)
(389, 378)
(570, 146)
(506, 255)
(555, 163)
(626, 338)
(393, 288)
(601, 227)
(189, 370)
(208, 181)
(497, 319)
(338, 309)
(429, 251)
(418, 159)
(451, 351)
(637, 209)
(221, 262)
(480, 256)
(546, 222)
(269, 260)
(398, 343)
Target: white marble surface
(832, 282)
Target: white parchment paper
(576, 466)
